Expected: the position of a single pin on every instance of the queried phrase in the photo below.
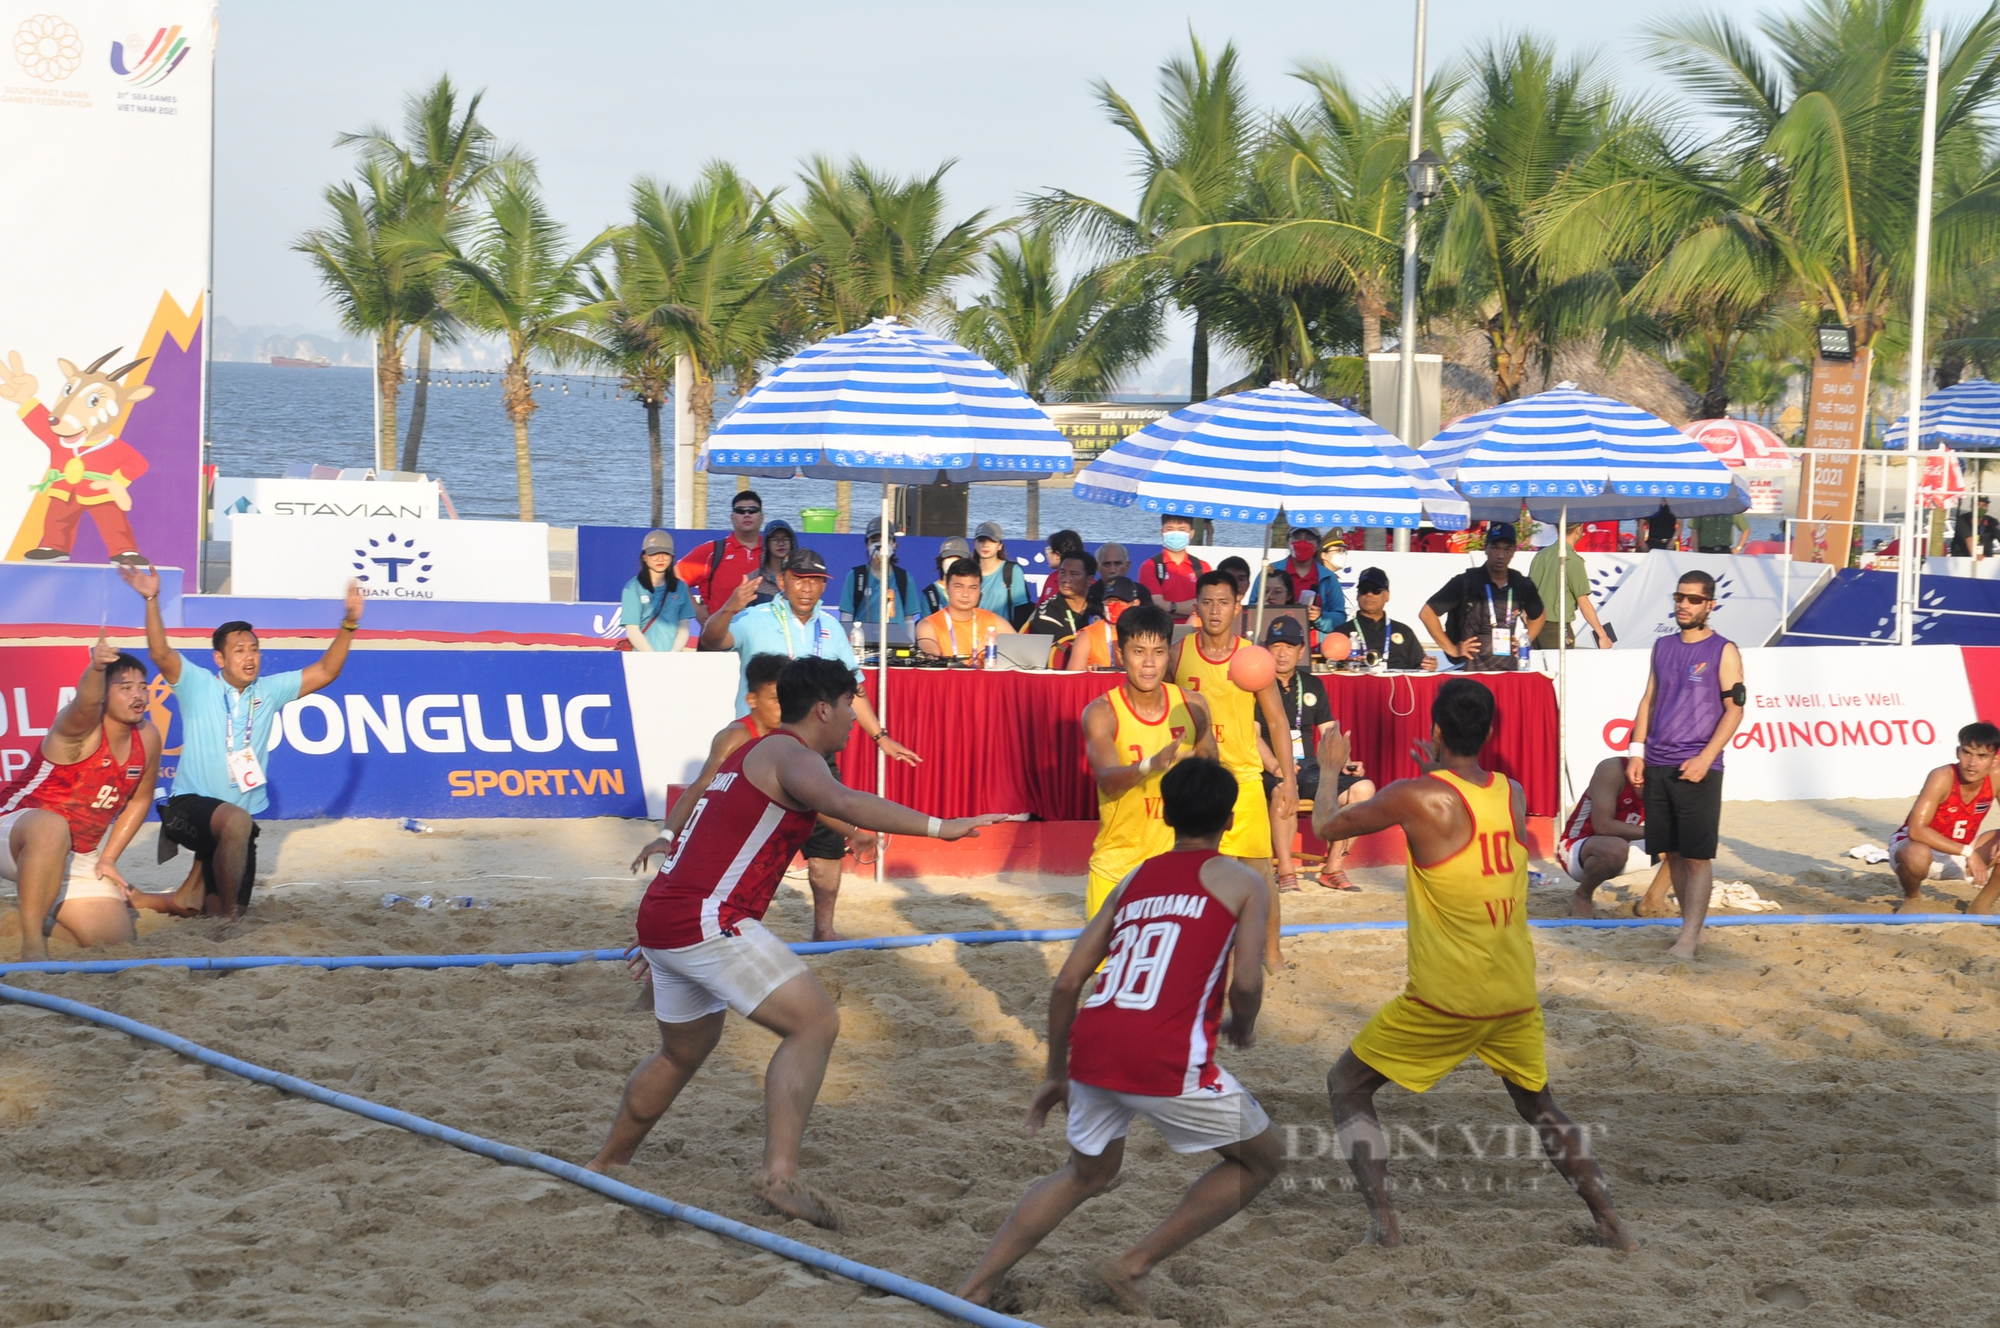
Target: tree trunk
(701, 404)
(1198, 358)
(659, 460)
(518, 395)
(1950, 368)
(389, 383)
(843, 505)
(1715, 401)
(1510, 360)
(419, 400)
(1034, 530)
(1373, 309)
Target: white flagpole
(1406, 379)
(882, 586)
(1909, 568)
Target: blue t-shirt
(214, 717)
(638, 607)
(870, 608)
(773, 629)
(1004, 589)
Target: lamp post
(1909, 568)
(1423, 173)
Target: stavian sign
(318, 500)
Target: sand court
(1801, 1125)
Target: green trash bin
(818, 520)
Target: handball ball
(1337, 646)
(1252, 668)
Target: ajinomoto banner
(105, 112)
(1836, 417)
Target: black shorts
(1681, 817)
(1308, 780)
(189, 820)
(825, 843)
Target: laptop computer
(899, 633)
(1024, 651)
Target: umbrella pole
(1562, 652)
(1263, 591)
(882, 590)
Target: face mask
(1333, 557)
(1303, 549)
(1114, 609)
(1175, 540)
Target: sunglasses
(1689, 599)
(747, 511)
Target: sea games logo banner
(1822, 721)
(285, 555)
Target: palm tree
(378, 280)
(695, 273)
(1193, 173)
(446, 157)
(861, 245)
(1830, 106)
(521, 281)
(1528, 121)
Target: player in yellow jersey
(1131, 735)
(1471, 987)
(1201, 664)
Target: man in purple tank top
(1692, 707)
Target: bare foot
(165, 901)
(1274, 961)
(1127, 1293)
(1903, 904)
(1683, 950)
(1383, 1232)
(829, 934)
(795, 1198)
(1580, 904)
(1612, 1235)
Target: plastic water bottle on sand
(414, 826)
(391, 900)
(467, 901)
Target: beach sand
(1800, 1125)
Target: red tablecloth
(1013, 742)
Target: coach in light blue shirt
(226, 723)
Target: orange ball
(1336, 646)
(1252, 668)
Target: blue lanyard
(230, 697)
(1493, 623)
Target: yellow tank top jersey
(1130, 827)
(1469, 949)
(1231, 710)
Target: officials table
(1013, 742)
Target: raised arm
(165, 658)
(803, 775)
(84, 715)
(321, 672)
(715, 633)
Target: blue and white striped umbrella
(1966, 414)
(1600, 459)
(888, 404)
(1244, 456)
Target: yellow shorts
(1096, 890)
(1416, 1046)
(1250, 836)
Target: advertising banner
(105, 111)
(1836, 417)
(319, 500)
(1750, 596)
(444, 733)
(284, 557)
(1822, 722)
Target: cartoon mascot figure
(91, 469)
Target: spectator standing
(1302, 568)
(715, 568)
(1663, 528)
(226, 719)
(1170, 575)
(1373, 631)
(779, 541)
(1479, 607)
(1545, 571)
(961, 628)
(655, 607)
(1060, 545)
(861, 596)
(1692, 706)
(1721, 534)
(1065, 613)
(1096, 646)
(1239, 572)
(1328, 597)
(1003, 586)
(949, 552)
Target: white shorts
(80, 880)
(1191, 1123)
(1636, 858)
(729, 972)
(1944, 867)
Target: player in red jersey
(1943, 826)
(61, 831)
(1605, 836)
(1180, 930)
(701, 930)
(834, 837)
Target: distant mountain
(257, 344)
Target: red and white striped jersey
(727, 865)
(1150, 1025)
(1630, 808)
(88, 793)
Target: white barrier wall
(282, 556)
(679, 702)
(319, 500)
(1822, 721)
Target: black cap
(1501, 532)
(805, 562)
(1121, 588)
(1284, 630)
(1371, 579)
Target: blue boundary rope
(893, 1283)
(230, 963)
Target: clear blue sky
(601, 92)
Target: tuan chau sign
(1836, 418)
